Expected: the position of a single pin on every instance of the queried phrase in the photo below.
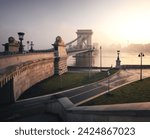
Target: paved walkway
(88, 92)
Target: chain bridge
(84, 41)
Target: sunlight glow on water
(109, 59)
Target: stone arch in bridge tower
(85, 38)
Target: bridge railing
(25, 52)
(9, 59)
(76, 50)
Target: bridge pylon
(85, 38)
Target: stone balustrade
(10, 60)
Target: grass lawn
(138, 91)
(69, 80)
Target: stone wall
(6, 93)
(10, 60)
(23, 71)
(31, 75)
(130, 112)
(23, 77)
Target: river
(108, 59)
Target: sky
(112, 21)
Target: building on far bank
(12, 45)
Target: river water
(108, 59)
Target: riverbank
(138, 91)
(66, 81)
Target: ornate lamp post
(118, 52)
(21, 35)
(31, 49)
(118, 59)
(28, 44)
(141, 55)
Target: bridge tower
(85, 38)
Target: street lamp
(21, 35)
(118, 52)
(141, 55)
(100, 58)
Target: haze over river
(108, 59)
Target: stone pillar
(12, 45)
(60, 63)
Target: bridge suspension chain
(73, 41)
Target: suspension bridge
(83, 42)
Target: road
(88, 92)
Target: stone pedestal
(60, 63)
(118, 63)
(12, 45)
